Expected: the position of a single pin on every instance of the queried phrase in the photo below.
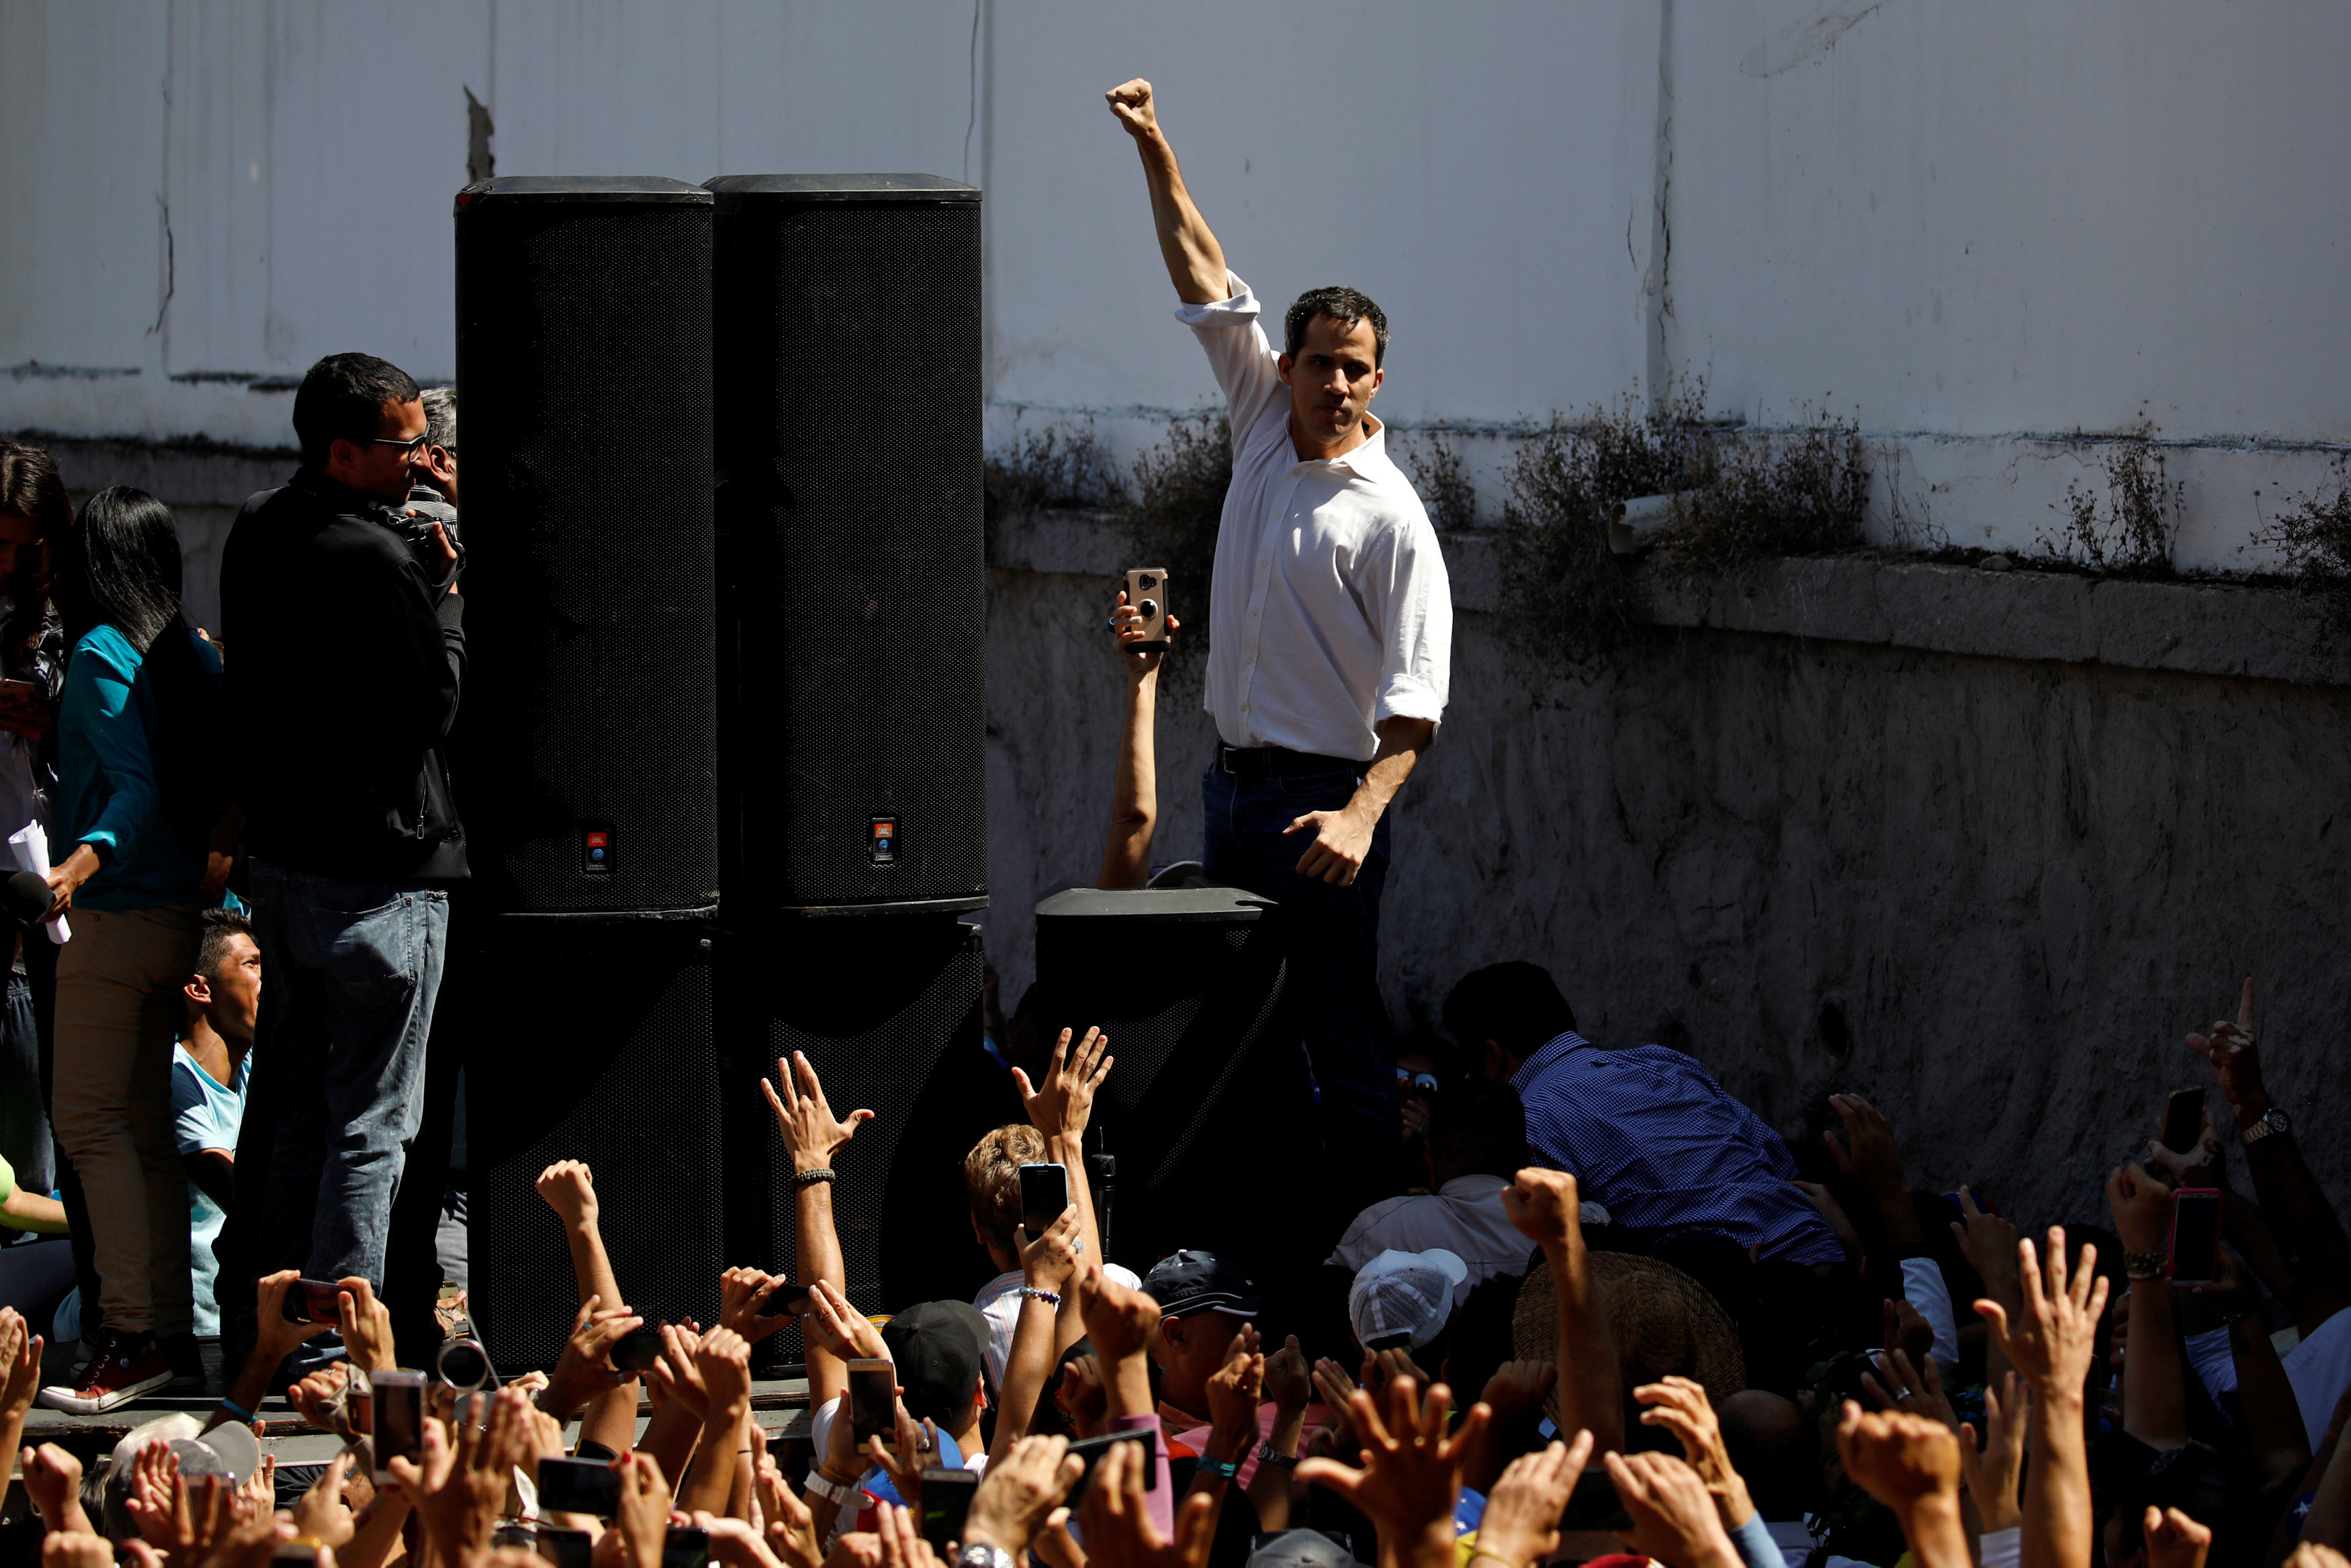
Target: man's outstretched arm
(1195, 262)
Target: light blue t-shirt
(206, 1113)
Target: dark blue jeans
(357, 966)
(1334, 980)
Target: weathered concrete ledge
(2202, 628)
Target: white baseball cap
(1404, 1293)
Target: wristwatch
(1267, 1454)
(2268, 1126)
(832, 1491)
(984, 1557)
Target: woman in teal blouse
(138, 788)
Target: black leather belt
(1277, 762)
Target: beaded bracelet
(810, 1177)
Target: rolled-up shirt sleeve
(1237, 350)
(1411, 601)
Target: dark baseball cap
(940, 1349)
(1189, 1281)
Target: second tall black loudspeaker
(851, 565)
(586, 756)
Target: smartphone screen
(1594, 1505)
(1044, 1193)
(2195, 1249)
(564, 1548)
(637, 1349)
(2183, 1120)
(685, 1547)
(398, 1415)
(577, 1486)
(872, 1401)
(788, 1300)
(313, 1300)
(947, 1498)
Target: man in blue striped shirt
(1644, 1131)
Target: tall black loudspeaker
(1209, 1111)
(887, 1012)
(593, 1040)
(851, 761)
(586, 752)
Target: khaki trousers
(119, 1010)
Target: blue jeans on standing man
(1334, 980)
(357, 965)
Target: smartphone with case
(564, 1548)
(637, 1350)
(947, 1498)
(874, 1401)
(577, 1486)
(1146, 591)
(1044, 1193)
(396, 1411)
(2183, 1120)
(1088, 1451)
(313, 1300)
(2192, 1257)
(785, 1301)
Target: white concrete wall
(1971, 227)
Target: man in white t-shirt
(1329, 630)
(211, 1068)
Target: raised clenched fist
(1130, 102)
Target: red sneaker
(126, 1366)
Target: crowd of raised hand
(2095, 1412)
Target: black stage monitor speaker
(1208, 1110)
(593, 1040)
(850, 576)
(587, 754)
(887, 1012)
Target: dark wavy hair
(30, 488)
(119, 566)
(1346, 306)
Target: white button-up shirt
(1331, 610)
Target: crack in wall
(1657, 284)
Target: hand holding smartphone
(1146, 594)
(396, 1408)
(579, 1486)
(2183, 1120)
(2192, 1255)
(313, 1300)
(1044, 1193)
(874, 1401)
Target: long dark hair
(30, 488)
(118, 565)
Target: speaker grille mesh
(596, 1046)
(584, 369)
(851, 502)
(886, 1009)
(1208, 1108)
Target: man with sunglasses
(350, 651)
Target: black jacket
(342, 665)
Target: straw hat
(1663, 1321)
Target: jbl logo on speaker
(596, 847)
(882, 847)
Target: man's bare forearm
(1195, 261)
(817, 1253)
(2057, 1484)
(1070, 1153)
(1135, 800)
(1401, 743)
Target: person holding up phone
(1331, 632)
(1134, 791)
(1059, 1111)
